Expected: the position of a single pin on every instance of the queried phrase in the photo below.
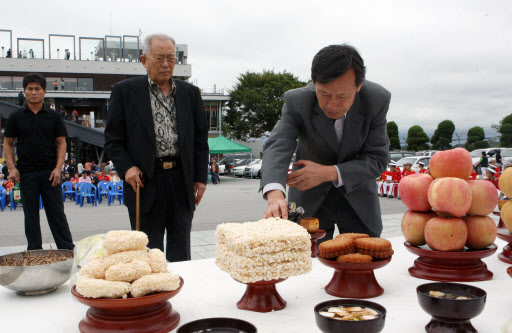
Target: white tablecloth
(210, 292)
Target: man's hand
(311, 175)
(55, 177)
(14, 175)
(133, 177)
(277, 205)
(199, 189)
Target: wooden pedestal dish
(314, 244)
(261, 296)
(354, 280)
(506, 254)
(459, 266)
(146, 314)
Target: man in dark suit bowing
(337, 125)
(157, 136)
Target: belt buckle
(168, 165)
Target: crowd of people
(387, 183)
(87, 172)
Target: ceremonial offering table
(210, 292)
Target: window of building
(70, 83)
(5, 82)
(85, 84)
(17, 82)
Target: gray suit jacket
(361, 157)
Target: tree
(417, 139)
(442, 138)
(476, 139)
(256, 103)
(394, 140)
(506, 131)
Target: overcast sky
(440, 59)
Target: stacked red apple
(505, 206)
(460, 207)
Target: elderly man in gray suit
(337, 126)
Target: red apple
(413, 190)
(446, 234)
(413, 226)
(450, 196)
(451, 163)
(484, 197)
(481, 231)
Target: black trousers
(329, 216)
(33, 185)
(215, 178)
(170, 212)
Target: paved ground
(234, 200)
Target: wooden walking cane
(137, 208)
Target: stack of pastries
(355, 248)
(261, 251)
(128, 268)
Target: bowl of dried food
(350, 315)
(35, 272)
(451, 305)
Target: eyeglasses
(161, 60)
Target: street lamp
(58, 54)
(2, 51)
(91, 56)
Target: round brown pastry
(375, 247)
(373, 244)
(353, 235)
(310, 223)
(357, 258)
(336, 247)
(377, 254)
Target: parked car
(226, 167)
(256, 169)
(477, 154)
(414, 161)
(239, 168)
(506, 156)
(227, 163)
(396, 155)
(426, 153)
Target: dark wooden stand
(146, 314)
(443, 325)
(460, 266)
(261, 296)
(354, 280)
(314, 244)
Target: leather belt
(167, 163)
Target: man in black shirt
(41, 142)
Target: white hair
(146, 45)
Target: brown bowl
(328, 325)
(151, 313)
(354, 280)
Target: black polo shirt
(35, 138)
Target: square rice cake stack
(265, 250)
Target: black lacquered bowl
(328, 325)
(218, 325)
(451, 315)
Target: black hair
(34, 77)
(334, 60)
